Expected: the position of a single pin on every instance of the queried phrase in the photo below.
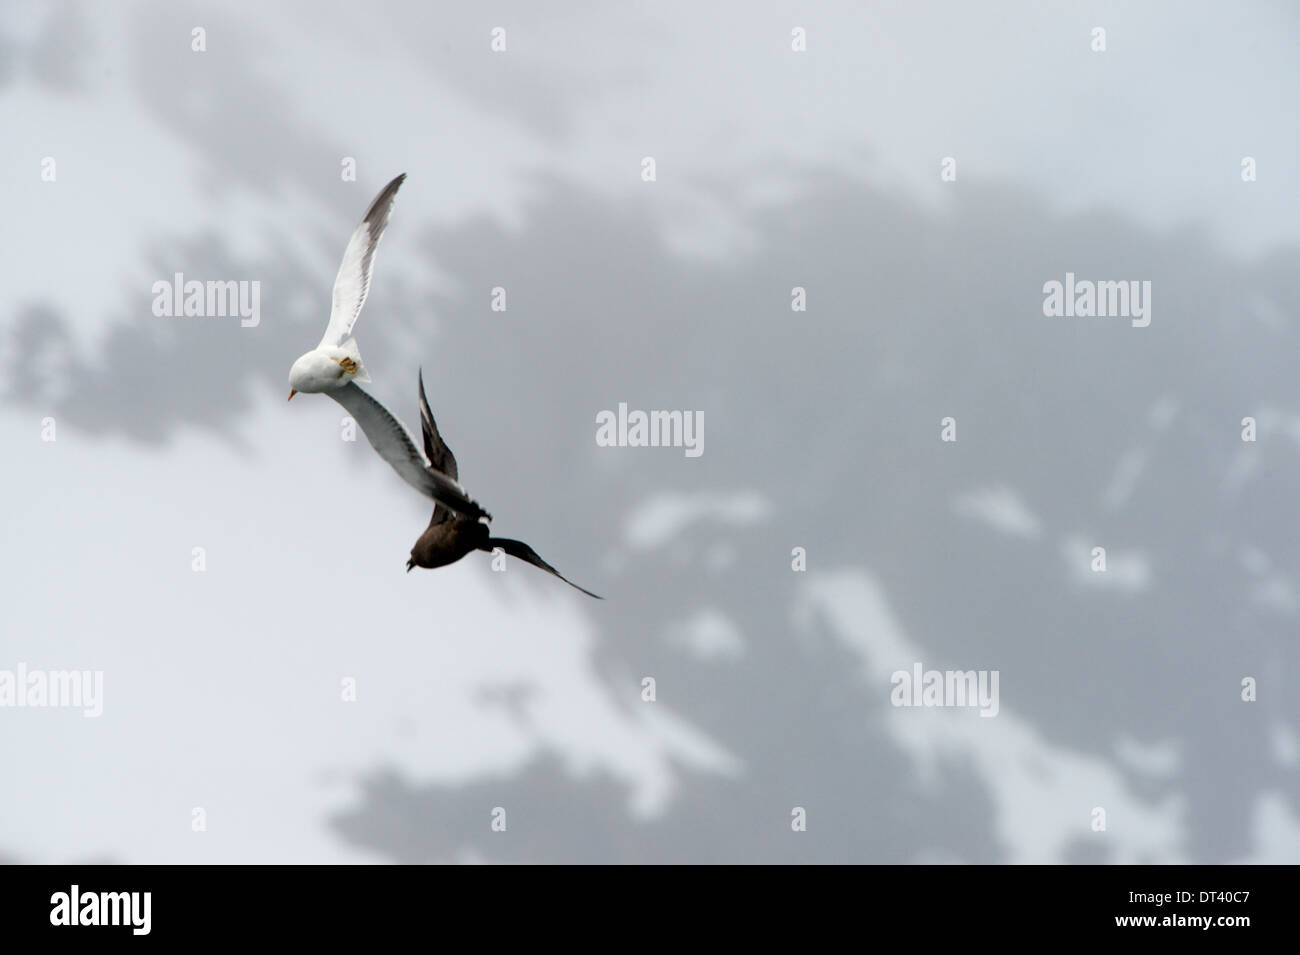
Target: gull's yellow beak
(292, 392)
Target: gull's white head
(324, 369)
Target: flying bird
(334, 367)
(449, 536)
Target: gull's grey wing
(389, 437)
(521, 550)
(353, 280)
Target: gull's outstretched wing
(390, 438)
(521, 550)
(353, 281)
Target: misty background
(775, 169)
